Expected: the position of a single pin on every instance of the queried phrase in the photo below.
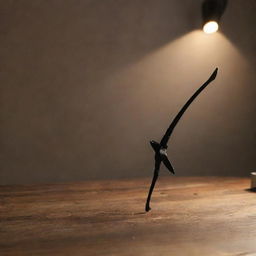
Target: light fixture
(212, 11)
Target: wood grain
(190, 216)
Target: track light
(212, 11)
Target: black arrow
(161, 148)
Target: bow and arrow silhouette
(161, 148)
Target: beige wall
(85, 84)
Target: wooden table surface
(189, 216)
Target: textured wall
(85, 84)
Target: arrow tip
(214, 74)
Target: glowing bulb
(210, 27)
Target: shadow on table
(251, 190)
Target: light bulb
(210, 27)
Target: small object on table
(253, 180)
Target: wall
(85, 84)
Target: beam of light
(211, 27)
(194, 54)
(165, 77)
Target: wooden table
(189, 216)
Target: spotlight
(212, 11)
(210, 27)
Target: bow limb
(169, 131)
(156, 171)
